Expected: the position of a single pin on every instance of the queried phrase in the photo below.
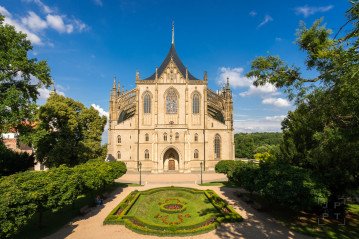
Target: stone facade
(171, 121)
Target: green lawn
(171, 211)
(198, 206)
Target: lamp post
(201, 171)
(139, 169)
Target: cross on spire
(173, 32)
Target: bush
(12, 162)
(290, 186)
(226, 167)
(24, 194)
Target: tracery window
(196, 154)
(196, 137)
(147, 154)
(177, 136)
(147, 138)
(165, 137)
(217, 146)
(147, 103)
(195, 103)
(171, 102)
(118, 155)
(119, 139)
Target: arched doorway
(171, 160)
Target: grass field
(170, 211)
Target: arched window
(171, 102)
(196, 137)
(177, 136)
(119, 139)
(118, 155)
(147, 154)
(195, 154)
(147, 103)
(147, 138)
(217, 146)
(165, 136)
(195, 103)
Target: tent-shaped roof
(172, 54)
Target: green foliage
(322, 134)
(245, 175)
(225, 166)
(20, 78)
(247, 145)
(141, 212)
(12, 162)
(24, 194)
(67, 132)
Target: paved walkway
(256, 225)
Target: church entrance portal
(171, 160)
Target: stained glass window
(171, 102)
(217, 146)
(147, 154)
(195, 104)
(147, 103)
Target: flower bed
(171, 211)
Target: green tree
(322, 134)
(13, 162)
(67, 132)
(20, 78)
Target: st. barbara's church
(171, 121)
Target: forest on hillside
(248, 144)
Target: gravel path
(256, 225)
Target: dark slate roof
(172, 54)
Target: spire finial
(173, 32)
(114, 83)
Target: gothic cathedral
(171, 121)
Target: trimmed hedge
(225, 214)
(23, 195)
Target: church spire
(173, 32)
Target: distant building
(171, 121)
(11, 142)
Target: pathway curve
(256, 225)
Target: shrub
(24, 194)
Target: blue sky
(86, 43)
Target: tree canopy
(322, 134)
(20, 78)
(67, 132)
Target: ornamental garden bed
(172, 211)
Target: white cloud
(235, 77)
(44, 8)
(56, 22)
(252, 13)
(276, 118)
(257, 125)
(306, 10)
(4, 12)
(265, 21)
(260, 90)
(98, 2)
(35, 39)
(101, 111)
(278, 102)
(44, 93)
(34, 22)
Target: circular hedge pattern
(172, 211)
